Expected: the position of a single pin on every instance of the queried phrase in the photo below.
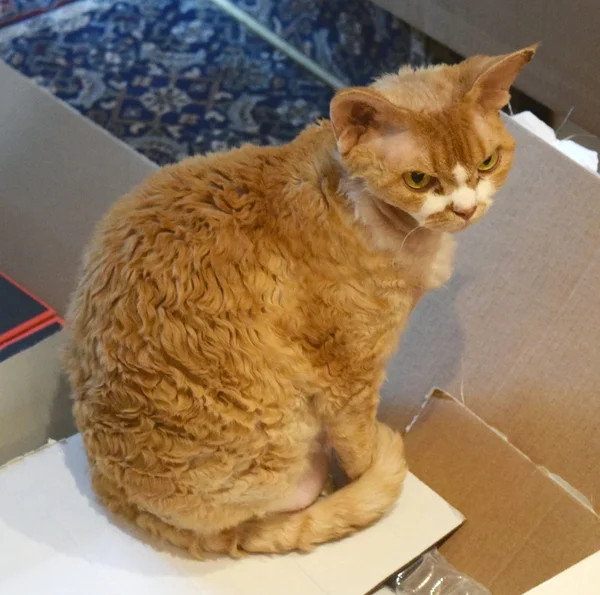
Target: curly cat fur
(230, 309)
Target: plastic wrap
(432, 575)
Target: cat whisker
(462, 381)
(408, 235)
(565, 120)
(578, 135)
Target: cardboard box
(522, 526)
(60, 172)
(512, 441)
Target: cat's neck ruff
(390, 228)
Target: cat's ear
(359, 114)
(493, 76)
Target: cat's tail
(353, 507)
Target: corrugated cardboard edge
(438, 393)
(523, 526)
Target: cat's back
(201, 211)
(189, 247)
(172, 322)
(195, 199)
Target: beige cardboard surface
(563, 74)
(56, 540)
(513, 332)
(522, 528)
(550, 404)
(59, 173)
(581, 579)
(35, 399)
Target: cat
(236, 311)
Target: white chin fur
(433, 203)
(485, 192)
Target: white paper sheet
(581, 579)
(56, 540)
(582, 155)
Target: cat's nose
(466, 214)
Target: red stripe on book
(33, 297)
(31, 331)
(18, 330)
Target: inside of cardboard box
(512, 338)
(522, 527)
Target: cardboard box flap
(514, 510)
(56, 539)
(59, 172)
(513, 331)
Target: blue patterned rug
(354, 40)
(171, 78)
(178, 77)
(12, 11)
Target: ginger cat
(235, 313)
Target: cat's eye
(417, 180)
(490, 162)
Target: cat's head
(430, 142)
